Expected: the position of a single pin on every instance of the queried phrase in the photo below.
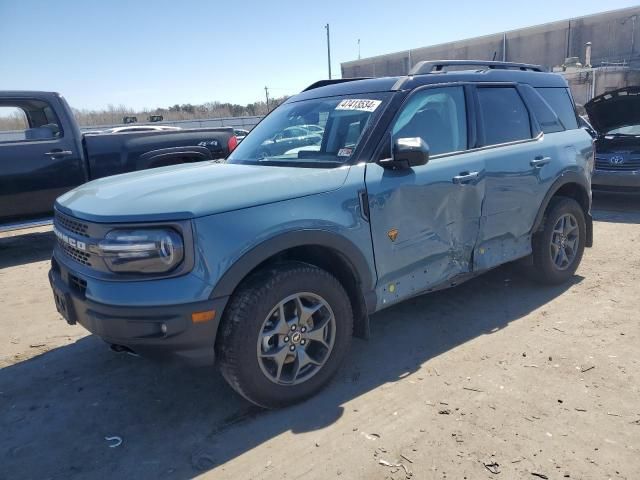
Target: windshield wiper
(298, 160)
(295, 162)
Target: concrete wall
(615, 36)
(587, 83)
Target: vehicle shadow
(612, 208)
(56, 409)
(24, 248)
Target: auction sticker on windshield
(359, 104)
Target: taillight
(232, 143)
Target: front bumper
(616, 181)
(154, 331)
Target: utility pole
(266, 94)
(358, 49)
(328, 50)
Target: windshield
(321, 132)
(629, 130)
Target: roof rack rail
(324, 83)
(430, 66)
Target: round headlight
(157, 250)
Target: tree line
(114, 114)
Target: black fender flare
(569, 177)
(365, 302)
(285, 241)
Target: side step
(40, 222)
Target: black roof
(409, 82)
(369, 85)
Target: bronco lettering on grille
(63, 237)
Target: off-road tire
(242, 323)
(544, 269)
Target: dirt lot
(497, 375)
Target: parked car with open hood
(615, 116)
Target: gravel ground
(497, 378)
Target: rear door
(424, 220)
(39, 160)
(521, 161)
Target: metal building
(614, 36)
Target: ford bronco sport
(270, 263)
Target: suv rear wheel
(558, 248)
(284, 334)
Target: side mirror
(406, 153)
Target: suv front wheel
(284, 334)
(558, 248)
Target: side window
(504, 115)
(560, 101)
(13, 124)
(438, 116)
(28, 120)
(547, 118)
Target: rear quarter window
(560, 101)
(547, 119)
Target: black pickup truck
(49, 155)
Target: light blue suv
(270, 263)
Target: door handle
(539, 161)
(465, 177)
(58, 153)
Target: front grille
(74, 238)
(72, 225)
(78, 255)
(629, 163)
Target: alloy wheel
(296, 338)
(564, 241)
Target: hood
(614, 109)
(194, 190)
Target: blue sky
(157, 53)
